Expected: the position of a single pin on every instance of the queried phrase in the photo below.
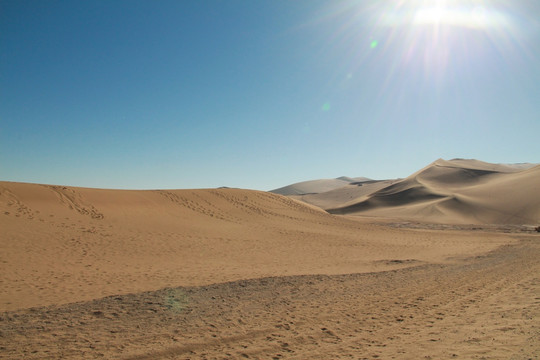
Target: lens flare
(428, 47)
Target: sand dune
(456, 191)
(317, 186)
(63, 244)
(230, 273)
(349, 193)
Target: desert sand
(317, 186)
(231, 273)
(457, 191)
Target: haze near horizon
(258, 95)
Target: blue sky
(261, 94)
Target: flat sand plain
(228, 273)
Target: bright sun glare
(470, 14)
(442, 15)
(430, 40)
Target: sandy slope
(228, 273)
(317, 186)
(349, 193)
(63, 244)
(456, 191)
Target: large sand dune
(230, 273)
(455, 191)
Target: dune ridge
(446, 191)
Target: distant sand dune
(348, 194)
(317, 186)
(456, 191)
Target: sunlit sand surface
(229, 273)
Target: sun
(434, 15)
(472, 17)
(458, 13)
(431, 41)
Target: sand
(230, 273)
(456, 191)
(317, 186)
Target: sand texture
(229, 273)
(481, 308)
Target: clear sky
(261, 94)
